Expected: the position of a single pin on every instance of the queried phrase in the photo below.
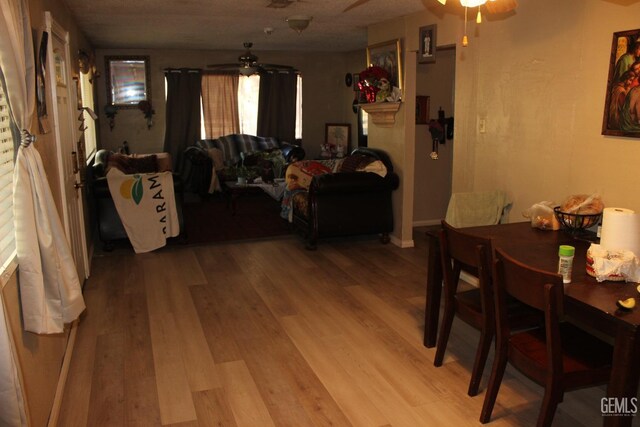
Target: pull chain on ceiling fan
(493, 6)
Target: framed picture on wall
(338, 134)
(386, 55)
(422, 110)
(427, 52)
(622, 103)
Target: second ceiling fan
(248, 65)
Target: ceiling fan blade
(230, 66)
(355, 4)
(276, 66)
(501, 6)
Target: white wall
(433, 177)
(539, 79)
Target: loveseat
(211, 161)
(341, 197)
(110, 226)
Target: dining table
(587, 302)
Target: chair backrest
(463, 251)
(477, 208)
(539, 289)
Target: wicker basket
(576, 222)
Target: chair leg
(549, 404)
(499, 365)
(486, 336)
(445, 330)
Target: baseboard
(64, 373)
(426, 222)
(402, 243)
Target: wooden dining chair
(558, 355)
(462, 251)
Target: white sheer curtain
(50, 290)
(15, 36)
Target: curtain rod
(179, 70)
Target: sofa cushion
(268, 143)
(228, 146)
(246, 143)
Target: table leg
(625, 374)
(434, 292)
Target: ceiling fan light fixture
(298, 23)
(472, 3)
(443, 2)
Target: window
(248, 92)
(7, 233)
(86, 95)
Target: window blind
(7, 234)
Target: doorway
(433, 178)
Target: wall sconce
(298, 22)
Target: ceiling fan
(492, 6)
(279, 4)
(248, 64)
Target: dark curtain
(277, 106)
(183, 121)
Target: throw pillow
(375, 167)
(130, 165)
(354, 162)
(300, 174)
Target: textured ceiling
(226, 24)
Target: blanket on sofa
(147, 207)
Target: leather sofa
(110, 227)
(347, 203)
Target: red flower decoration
(368, 82)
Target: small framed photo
(338, 134)
(422, 110)
(386, 55)
(427, 53)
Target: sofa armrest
(350, 182)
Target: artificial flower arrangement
(148, 111)
(370, 81)
(375, 85)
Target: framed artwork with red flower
(386, 55)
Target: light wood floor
(265, 333)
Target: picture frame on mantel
(428, 38)
(386, 55)
(622, 103)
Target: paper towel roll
(620, 230)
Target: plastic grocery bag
(542, 216)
